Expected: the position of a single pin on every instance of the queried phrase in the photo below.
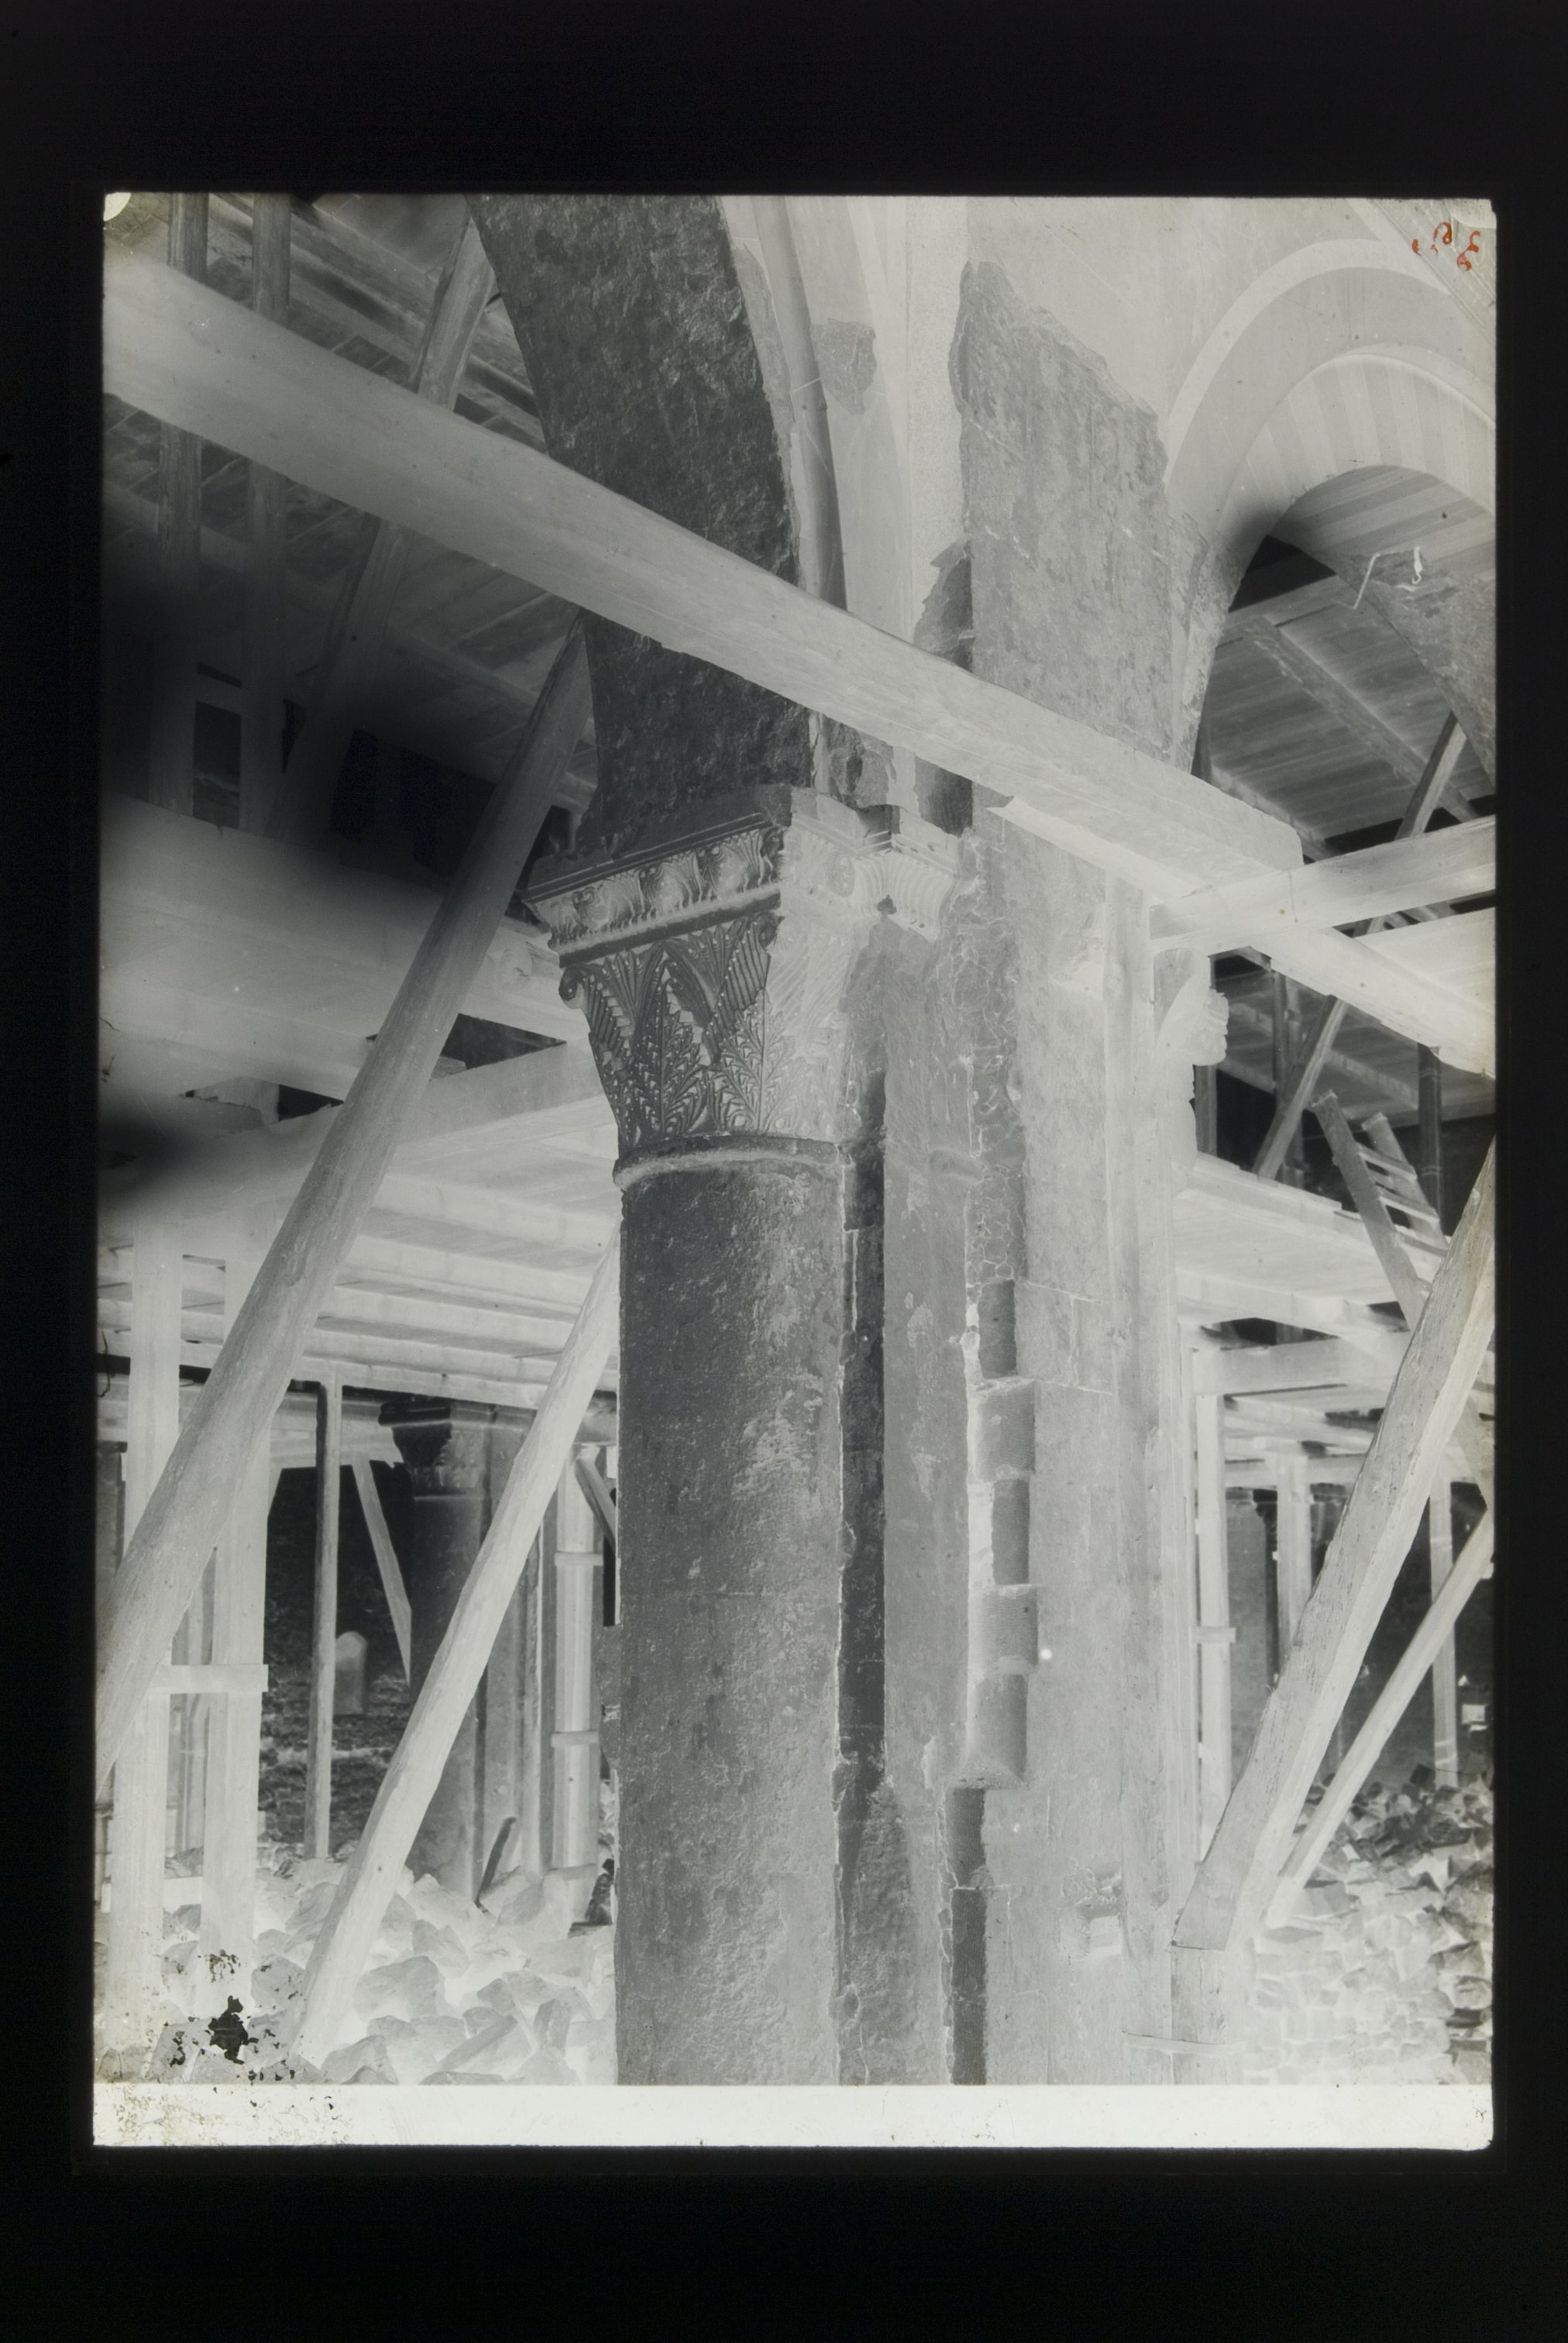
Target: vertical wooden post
(1445, 1667)
(139, 1823)
(1215, 1633)
(532, 1771)
(501, 1737)
(1293, 1545)
(1206, 1108)
(574, 1841)
(172, 746)
(1429, 1156)
(109, 1493)
(234, 1757)
(324, 1616)
(386, 1555)
(266, 506)
(1287, 1052)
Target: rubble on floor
(515, 1989)
(1383, 1974)
(453, 1992)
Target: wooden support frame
(234, 1724)
(1409, 1291)
(595, 1488)
(323, 1618)
(188, 356)
(386, 1561)
(1214, 1632)
(1300, 1090)
(138, 1823)
(230, 1420)
(1437, 1628)
(575, 1738)
(1236, 1878)
(1445, 1664)
(1434, 866)
(1293, 1544)
(346, 432)
(453, 1676)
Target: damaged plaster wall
(1070, 577)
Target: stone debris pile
(1383, 1974)
(516, 1990)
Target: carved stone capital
(713, 969)
(444, 1445)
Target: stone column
(718, 971)
(446, 1445)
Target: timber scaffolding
(451, 1230)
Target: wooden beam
(386, 1562)
(171, 770)
(181, 351)
(323, 1618)
(1318, 1365)
(1208, 1298)
(1438, 866)
(1298, 1092)
(1429, 1079)
(225, 1429)
(1236, 1876)
(138, 1823)
(1409, 1291)
(233, 1729)
(410, 1780)
(1363, 723)
(1215, 1630)
(1293, 1544)
(263, 656)
(1378, 1082)
(597, 1490)
(201, 1338)
(1445, 1664)
(358, 626)
(550, 1094)
(574, 1837)
(1436, 1629)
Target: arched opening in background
(1356, 657)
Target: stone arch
(1341, 358)
(633, 323)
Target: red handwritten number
(1444, 229)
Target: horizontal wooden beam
(257, 927)
(1438, 866)
(185, 354)
(1208, 1298)
(1236, 1878)
(546, 1093)
(209, 1677)
(1296, 1366)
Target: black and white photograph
(795, 1367)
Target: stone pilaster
(718, 972)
